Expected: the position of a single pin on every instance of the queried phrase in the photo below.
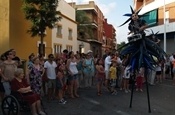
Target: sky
(113, 10)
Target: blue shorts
(74, 77)
(113, 82)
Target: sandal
(76, 95)
(99, 94)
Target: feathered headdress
(130, 15)
(153, 34)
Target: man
(107, 63)
(50, 69)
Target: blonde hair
(18, 71)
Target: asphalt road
(162, 102)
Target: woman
(73, 72)
(79, 67)
(88, 70)
(36, 71)
(8, 69)
(20, 85)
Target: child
(139, 79)
(100, 75)
(113, 77)
(126, 78)
(61, 83)
(158, 73)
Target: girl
(100, 75)
(61, 83)
(139, 79)
(126, 78)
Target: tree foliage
(42, 14)
(85, 29)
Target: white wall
(68, 11)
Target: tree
(42, 14)
(85, 29)
(120, 46)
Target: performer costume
(141, 51)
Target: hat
(89, 51)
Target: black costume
(140, 51)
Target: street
(162, 101)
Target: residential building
(64, 35)
(160, 17)
(96, 19)
(110, 37)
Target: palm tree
(84, 27)
(42, 14)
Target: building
(109, 42)
(64, 35)
(94, 41)
(13, 31)
(100, 40)
(14, 26)
(160, 18)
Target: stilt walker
(142, 51)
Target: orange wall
(4, 25)
(171, 9)
(20, 40)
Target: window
(57, 48)
(151, 17)
(70, 34)
(69, 48)
(167, 17)
(59, 31)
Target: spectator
(100, 75)
(50, 69)
(36, 71)
(61, 83)
(113, 78)
(139, 80)
(8, 69)
(88, 70)
(16, 58)
(73, 75)
(19, 84)
(107, 63)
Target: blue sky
(113, 10)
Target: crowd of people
(63, 74)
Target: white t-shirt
(73, 68)
(171, 58)
(51, 73)
(107, 63)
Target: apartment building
(99, 42)
(64, 35)
(160, 18)
(109, 40)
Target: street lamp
(81, 47)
